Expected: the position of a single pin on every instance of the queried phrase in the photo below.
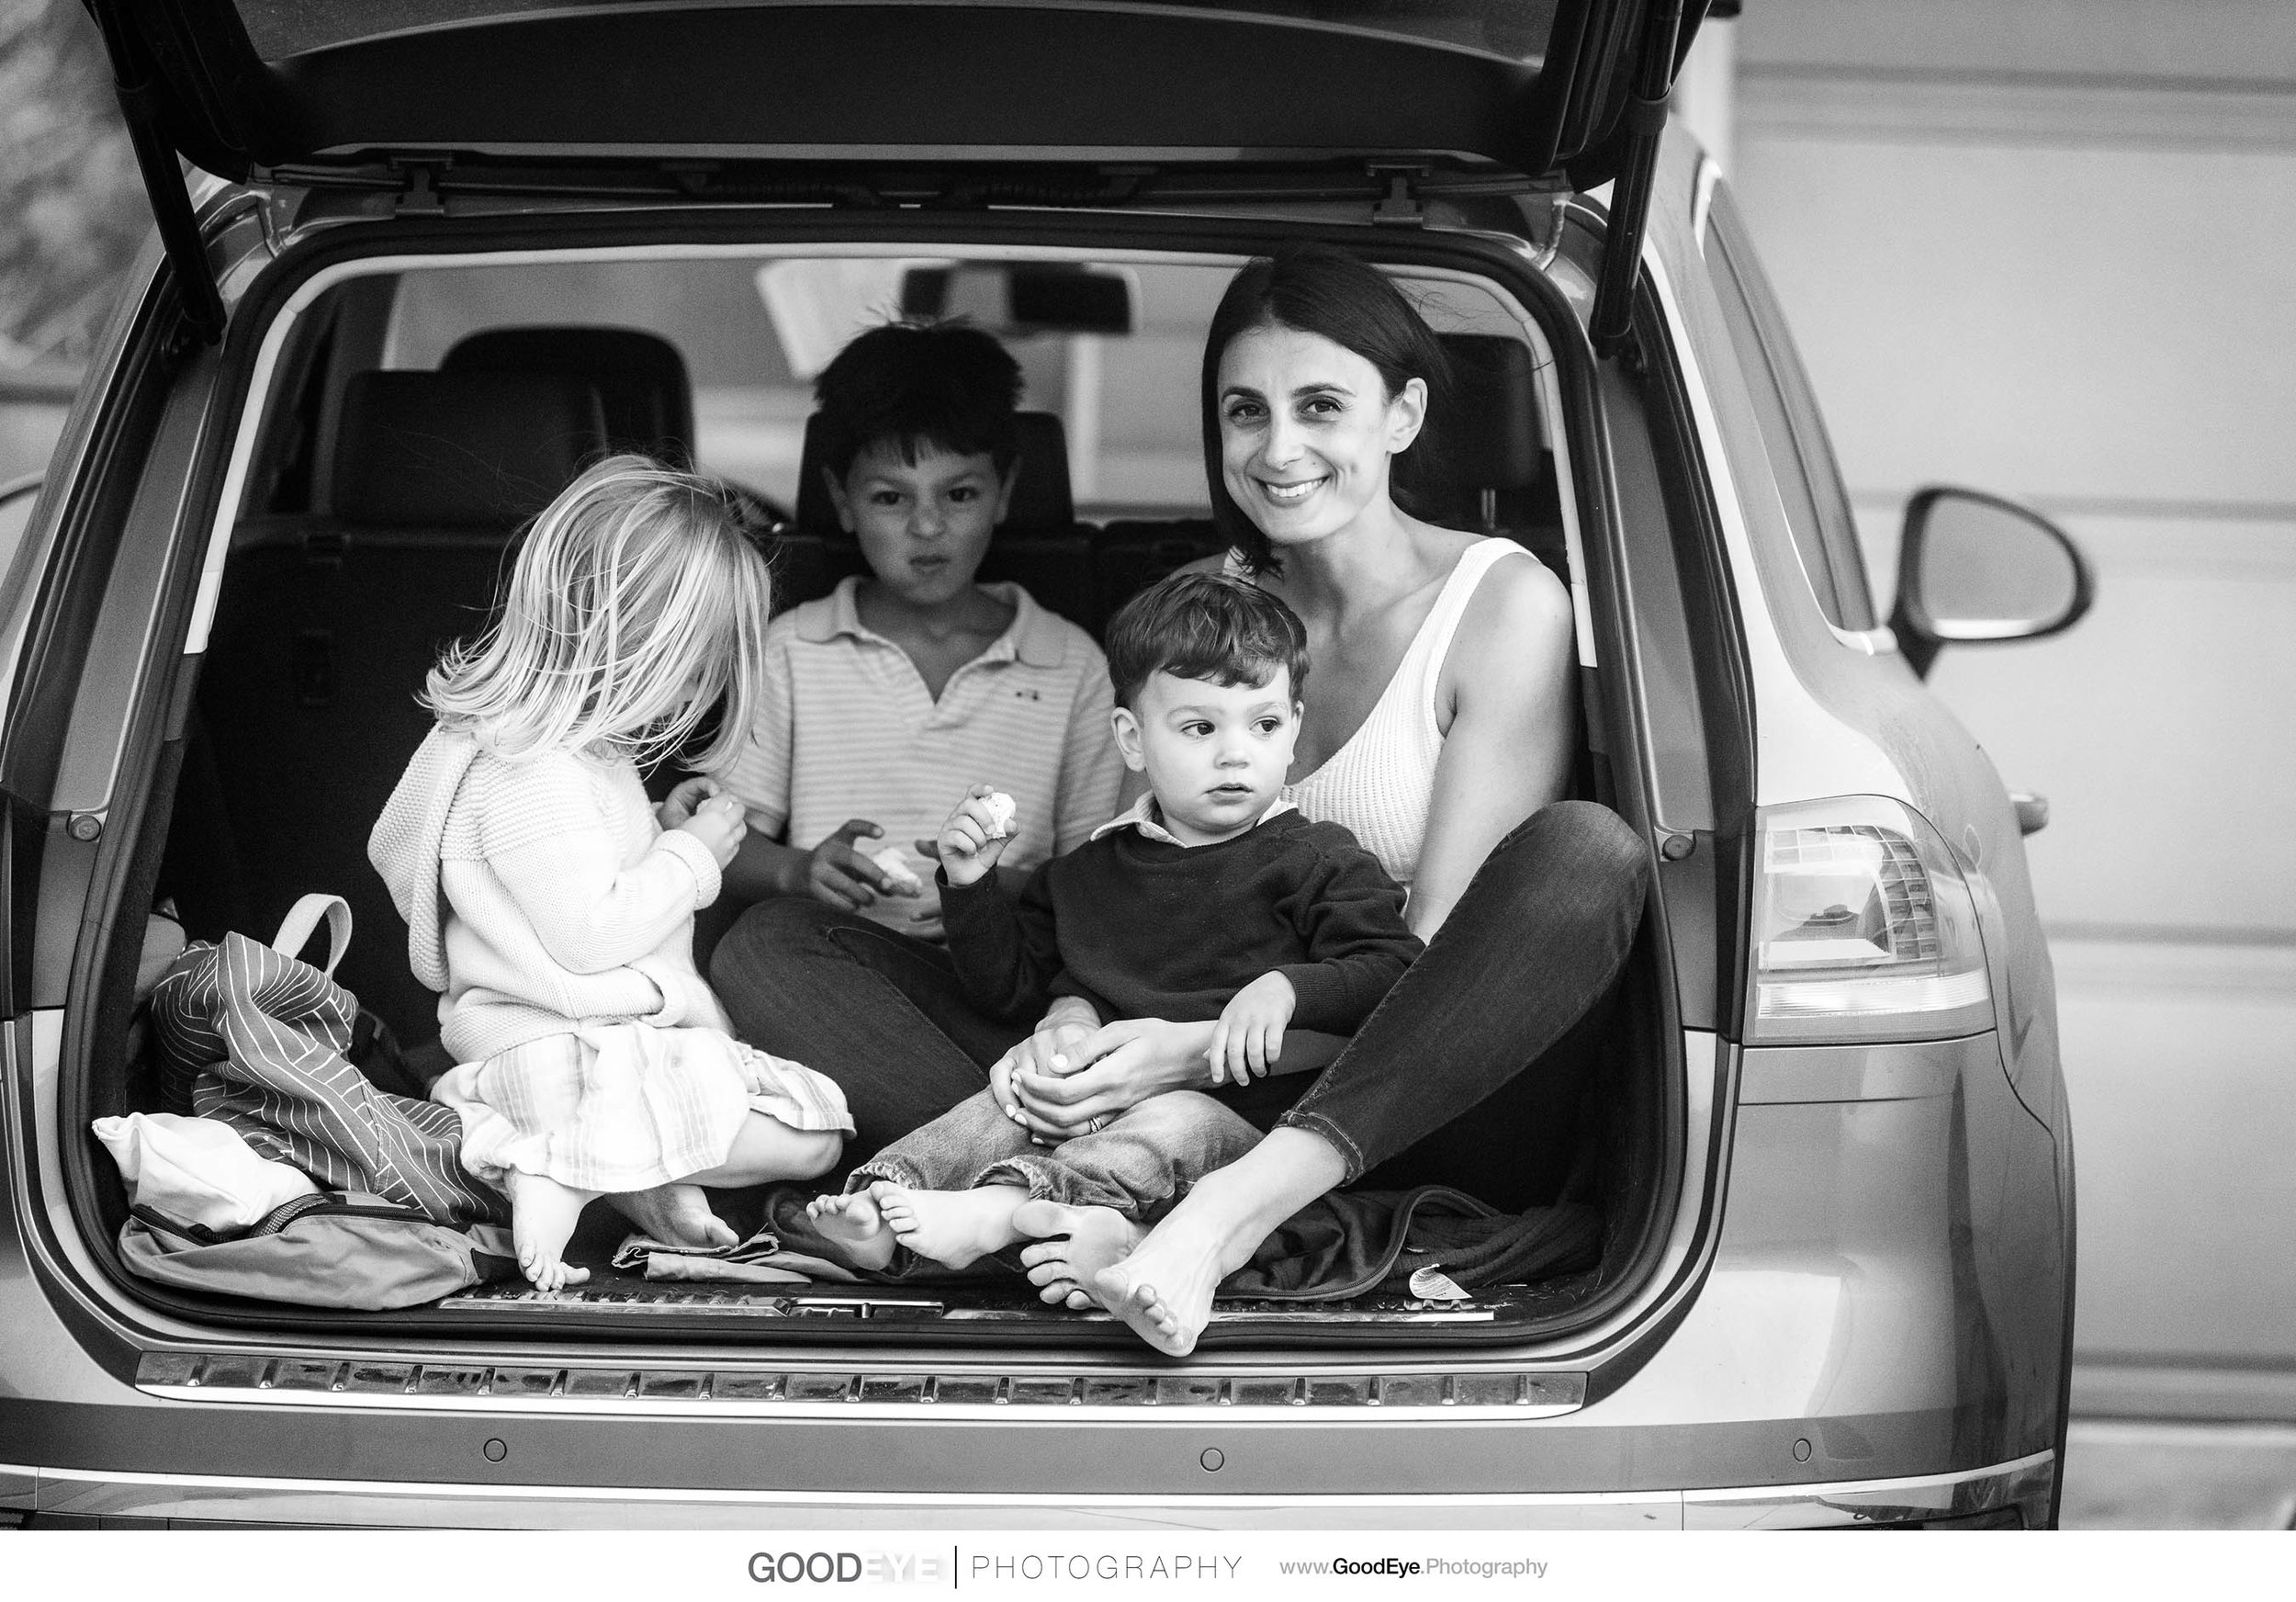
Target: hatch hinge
(1643, 118)
(1400, 208)
(135, 80)
(420, 198)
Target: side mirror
(1973, 566)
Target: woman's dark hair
(1207, 626)
(945, 385)
(1322, 289)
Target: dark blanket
(1359, 1242)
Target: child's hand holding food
(719, 824)
(686, 799)
(975, 834)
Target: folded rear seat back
(642, 381)
(1133, 553)
(1495, 450)
(327, 626)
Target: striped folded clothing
(621, 1107)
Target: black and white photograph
(1230, 797)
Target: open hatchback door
(728, 100)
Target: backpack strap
(302, 917)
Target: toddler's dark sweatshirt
(1143, 928)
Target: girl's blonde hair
(635, 582)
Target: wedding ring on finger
(1092, 1125)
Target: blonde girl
(552, 907)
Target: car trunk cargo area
(353, 556)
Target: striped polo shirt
(847, 729)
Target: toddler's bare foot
(1072, 1245)
(954, 1228)
(676, 1215)
(854, 1223)
(542, 1214)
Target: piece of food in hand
(896, 868)
(1002, 810)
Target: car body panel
(1864, 1257)
(1845, 714)
(1862, 1299)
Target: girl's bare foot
(543, 1215)
(1072, 1245)
(855, 1224)
(954, 1228)
(676, 1215)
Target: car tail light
(1863, 929)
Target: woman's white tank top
(1378, 785)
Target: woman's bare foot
(543, 1215)
(1073, 1243)
(954, 1228)
(676, 1215)
(855, 1224)
(1164, 1288)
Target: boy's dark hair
(1205, 626)
(946, 385)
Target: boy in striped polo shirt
(882, 693)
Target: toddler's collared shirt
(1145, 815)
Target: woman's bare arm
(1509, 682)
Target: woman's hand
(1112, 1070)
(1048, 1054)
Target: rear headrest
(640, 376)
(470, 450)
(1041, 500)
(1492, 434)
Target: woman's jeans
(1538, 939)
(1468, 1073)
(1139, 1164)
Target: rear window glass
(754, 331)
(1513, 28)
(754, 335)
(16, 516)
(1801, 455)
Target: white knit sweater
(565, 901)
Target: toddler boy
(1211, 903)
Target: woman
(1440, 731)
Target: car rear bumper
(79, 1496)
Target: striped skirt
(617, 1107)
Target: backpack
(250, 1037)
(329, 1250)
